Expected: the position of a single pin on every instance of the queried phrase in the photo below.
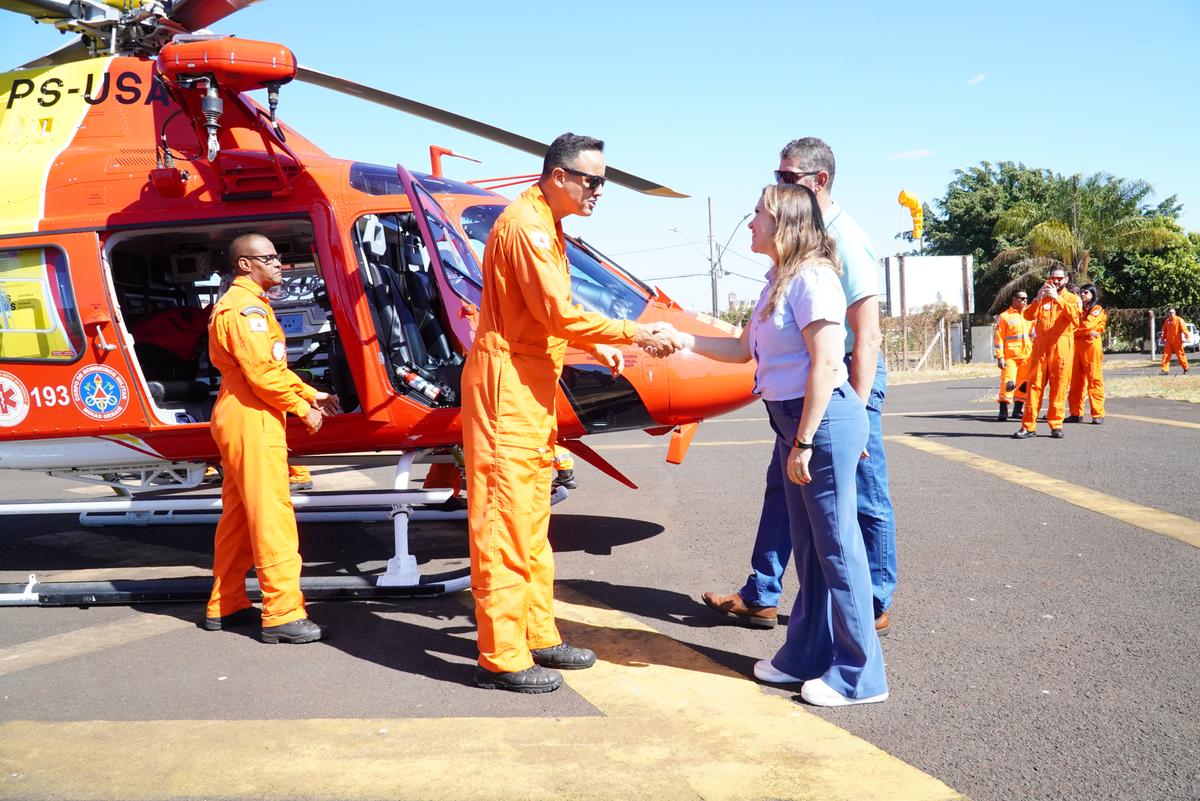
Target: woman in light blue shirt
(797, 337)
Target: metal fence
(925, 340)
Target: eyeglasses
(592, 182)
(1022, 297)
(789, 177)
(1058, 278)
(268, 259)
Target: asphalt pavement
(1043, 642)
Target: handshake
(662, 339)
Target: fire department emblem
(100, 392)
(14, 400)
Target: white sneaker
(765, 671)
(818, 693)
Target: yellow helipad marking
(1162, 421)
(85, 641)
(675, 725)
(1171, 525)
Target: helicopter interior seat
(424, 297)
(398, 332)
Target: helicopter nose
(691, 387)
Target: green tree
(1081, 220)
(1168, 276)
(963, 221)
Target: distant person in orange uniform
(526, 320)
(258, 526)
(1012, 348)
(1174, 329)
(1055, 314)
(1088, 376)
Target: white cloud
(910, 154)
(977, 79)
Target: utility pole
(712, 259)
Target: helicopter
(135, 154)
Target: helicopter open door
(61, 367)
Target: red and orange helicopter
(132, 156)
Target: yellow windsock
(910, 201)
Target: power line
(651, 250)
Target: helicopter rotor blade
(195, 14)
(72, 51)
(452, 120)
(39, 9)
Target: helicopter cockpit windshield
(593, 286)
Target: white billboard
(914, 282)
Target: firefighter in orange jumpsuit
(1012, 348)
(526, 320)
(1173, 330)
(1088, 376)
(257, 527)
(1055, 314)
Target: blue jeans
(772, 548)
(831, 631)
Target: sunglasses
(789, 177)
(1022, 297)
(592, 182)
(270, 258)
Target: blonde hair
(801, 240)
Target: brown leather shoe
(883, 624)
(761, 617)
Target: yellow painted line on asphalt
(1176, 526)
(675, 725)
(1162, 421)
(82, 642)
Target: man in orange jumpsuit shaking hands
(509, 429)
(1012, 348)
(1055, 315)
(258, 391)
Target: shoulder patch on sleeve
(249, 310)
(539, 238)
(258, 324)
(1095, 312)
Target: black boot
(1002, 415)
(1018, 410)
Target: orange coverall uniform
(1173, 343)
(257, 526)
(1054, 322)
(508, 386)
(1012, 343)
(1088, 375)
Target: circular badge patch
(1046, 306)
(279, 351)
(14, 400)
(100, 392)
(1095, 312)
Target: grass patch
(955, 373)
(1172, 387)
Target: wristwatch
(804, 446)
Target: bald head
(254, 256)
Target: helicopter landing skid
(401, 578)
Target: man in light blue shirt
(810, 162)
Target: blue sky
(701, 96)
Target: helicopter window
(462, 271)
(594, 286)
(447, 186)
(39, 320)
(373, 179)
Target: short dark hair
(566, 148)
(813, 154)
(239, 247)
